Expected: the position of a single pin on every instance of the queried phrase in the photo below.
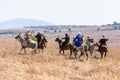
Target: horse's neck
(22, 40)
(22, 37)
(88, 42)
(59, 42)
(93, 46)
(42, 40)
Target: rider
(38, 36)
(88, 42)
(83, 40)
(28, 36)
(67, 39)
(78, 40)
(102, 41)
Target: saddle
(64, 45)
(103, 46)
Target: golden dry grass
(50, 65)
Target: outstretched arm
(63, 38)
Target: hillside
(19, 23)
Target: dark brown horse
(67, 47)
(42, 44)
(103, 50)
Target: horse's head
(96, 44)
(58, 40)
(19, 37)
(91, 40)
(44, 39)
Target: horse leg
(20, 50)
(60, 51)
(42, 50)
(95, 51)
(101, 55)
(91, 51)
(39, 50)
(24, 50)
(81, 54)
(75, 54)
(86, 55)
(63, 52)
(35, 50)
(70, 52)
(105, 54)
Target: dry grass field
(50, 65)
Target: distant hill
(19, 23)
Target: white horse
(24, 43)
(82, 48)
(92, 48)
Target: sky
(62, 12)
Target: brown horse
(67, 47)
(103, 50)
(42, 44)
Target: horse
(92, 48)
(24, 43)
(42, 44)
(69, 46)
(82, 48)
(103, 50)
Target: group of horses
(31, 44)
(83, 48)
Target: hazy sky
(62, 11)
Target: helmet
(103, 36)
(66, 34)
(88, 37)
(79, 32)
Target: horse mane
(22, 37)
(44, 39)
(59, 41)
